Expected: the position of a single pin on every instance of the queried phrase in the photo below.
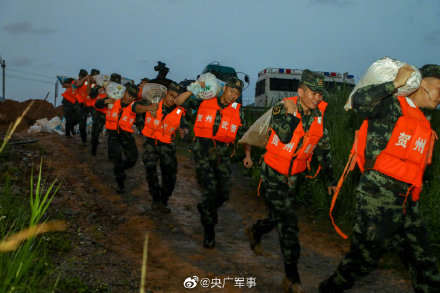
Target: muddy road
(107, 231)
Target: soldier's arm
(324, 158)
(283, 123)
(366, 101)
(100, 103)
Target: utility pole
(3, 64)
(56, 93)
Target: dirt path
(108, 233)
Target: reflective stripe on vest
(69, 95)
(162, 128)
(408, 150)
(126, 121)
(279, 156)
(229, 124)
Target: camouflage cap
(236, 83)
(115, 77)
(82, 73)
(132, 90)
(430, 70)
(175, 87)
(314, 81)
(94, 71)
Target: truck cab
(274, 84)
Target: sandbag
(212, 87)
(385, 70)
(153, 92)
(102, 79)
(258, 134)
(115, 90)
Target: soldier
(99, 114)
(297, 127)
(69, 101)
(122, 150)
(217, 121)
(82, 86)
(394, 146)
(159, 131)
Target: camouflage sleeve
(365, 100)
(100, 104)
(191, 103)
(324, 157)
(283, 123)
(244, 126)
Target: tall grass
(24, 267)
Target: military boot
(328, 286)
(254, 241)
(290, 287)
(121, 186)
(209, 236)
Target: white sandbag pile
(385, 70)
(212, 88)
(54, 125)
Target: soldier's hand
(402, 76)
(109, 101)
(331, 190)
(153, 107)
(247, 162)
(290, 106)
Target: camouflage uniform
(165, 153)
(213, 166)
(84, 112)
(380, 222)
(277, 188)
(122, 150)
(98, 122)
(69, 111)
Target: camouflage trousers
(213, 172)
(279, 202)
(122, 151)
(84, 112)
(165, 154)
(380, 225)
(97, 127)
(70, 114)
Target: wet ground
(108, 232)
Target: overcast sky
(44, 38)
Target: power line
(29, 79)
(31, 73)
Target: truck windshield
(260, 87)
(281, 84)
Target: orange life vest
(69, 95)
(408, 152)
(162, 128)
(81, 93)
(279, 156)
(126, 121)
(102, 110)
(230, 121)
(409, 149)
(89, 102)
